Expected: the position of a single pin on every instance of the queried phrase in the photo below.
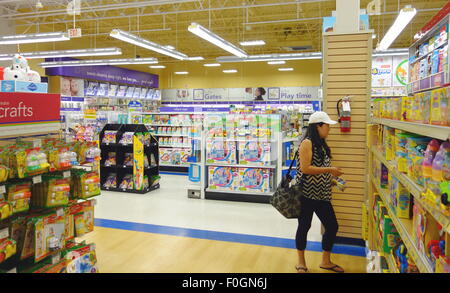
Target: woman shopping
(315, 174)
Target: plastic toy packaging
(53, 191)
(254, 153)
(127, 182)
(127, 138)
(223, 178)
(85, 184)
(49, 235)
(84, 218)
(19, 196)
(439, 107)
(93, 153)
(8, 248)
(111, 160)
(6, 209)
(340, 183)
(35, 162)
(221, 151)
(254, 179)
(128, 160)
(111, 181)
(81, 259)
(109, 136)
(430, 153)
(4, 173)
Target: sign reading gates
(242, 94)
(29, 108)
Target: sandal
(334, 269)
(305, 270)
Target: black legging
(324, 210)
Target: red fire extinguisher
(344, 113)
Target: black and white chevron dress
(317, 187)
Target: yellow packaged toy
(439, 107)
(49, 235)
(19, 196)
(416, 108)
(83, 217)
(406, 108)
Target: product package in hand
(340, 183)
(127, 138)
(109, 136)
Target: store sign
(74, 33)
(104, 73)
(29, 108)
(389, 71)
(241, 94)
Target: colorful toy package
(111, 160)
(85, 184)
(81, 259)
(127, 182)
(254, 153)
(220, 151)
(83, 217)
(8, 248)
(255, 179)
(53, 191)
(128, 160)
(164, 156)
(109, 136)
(439, 107)
(111, 181)
(49, 235)
(433, 194)
(19, 196)
(127, 138)
(223, 178)
(432, 149)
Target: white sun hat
(319, 116)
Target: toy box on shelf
(242, 154)
(130, 158)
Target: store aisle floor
(122, 251)
(170, 206)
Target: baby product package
(220, 151)
(255, 179)
(223, 178)
(254, 153)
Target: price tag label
(4, 233)
(60, 212)
(37, 179)
(66, 174)
(2, 189)
(12, 271)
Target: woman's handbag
(286, 198)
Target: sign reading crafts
(242, 94)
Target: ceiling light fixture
(199, 58)
(286, 69)
(65, 53)
(230, 71)
(99, 62)
(404, 17)
(157, 66)
(138, 41)
(276, 62)
(181, 72)
(271, 57)
(34, 38)
(211, 37)
(253, 43)
(170, 47)
(212, 65)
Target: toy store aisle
(170, 207)
(122, 251)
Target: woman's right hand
(335, 171)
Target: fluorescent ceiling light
(276, 62)
(196, 58)
(209, 36)
(374, 36)
(271, 57)
(286, 69)
(34, 38)
(403, 18)
(212, 64)
(253, 43)
(138, 41)
(99, 62)
(230, 71)
(170, 47)
(65, 53)
(181, 72)
(157, 66)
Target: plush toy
(20, 71)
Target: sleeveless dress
(316, 187)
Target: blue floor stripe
(225, 236)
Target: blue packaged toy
(220, 151)
(223, 178)
(254, 153)
(255, 179)
(435, 62)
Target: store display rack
(151, 151)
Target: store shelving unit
(122, 170)
(405, 227)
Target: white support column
(347, 16)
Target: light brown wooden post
(347, 62)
